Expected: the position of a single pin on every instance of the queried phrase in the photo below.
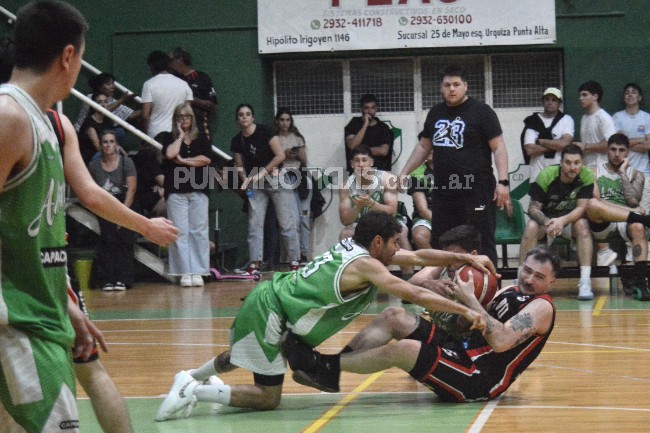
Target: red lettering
(335, 3)
(424, 2)
(380, 2)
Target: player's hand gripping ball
(485, 285)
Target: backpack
(535, 123)
(318, 202)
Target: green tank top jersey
(311, 297)
(609, 184)
(33, 258)
(375, 190)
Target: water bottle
(613, 280)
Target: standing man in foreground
(459, 369)
(314, 302)
(464, 134)
(37, 383)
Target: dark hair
(571, 149)
(619, 138)
(375, 223)
(158, 61)
(97, 81)
(361, 149)
(452, 70)
(465, 236)
(634, 86)
(240, 106)
(94, 97)
(43, 29)
(367, 99)
(184, 55)
(592, 87)
(107, 132)
(544, 254)
(293, 128)
(7, 59)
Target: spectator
(91, 130)
(116, 174)
(161, 94)
(150, 194)
(547, 133)
(295, 160)
(188, 155)
(616, 208)
(105, 83)
(258, 155)
(635, 124)
(370, 189)
(464, 135)
(596, 125)
(420, 190)
(558, 200)
(369, 130)
(205, 98)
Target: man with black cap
(547, 133)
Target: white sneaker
(180, 396)
(629, 257)
(584, 292)
(197, 280)
(213, 380)
(605, 257)
(186, 280)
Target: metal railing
(107, 113)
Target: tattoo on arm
(535, 213)
(522, 323)
(632, 189)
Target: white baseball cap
(553, 91)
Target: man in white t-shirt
(161, 94)
(547, 133)
(596, 125)
(635, 124)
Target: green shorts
(37, 385)
(256, 333)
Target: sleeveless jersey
(609, 184)
(375, 191)
(311, 297)
(32, 236)
(505, 367)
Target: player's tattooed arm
(536, 214)
(523, 325)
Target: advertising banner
(286, 26)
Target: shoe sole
(303, 379)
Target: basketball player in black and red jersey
(458, 369)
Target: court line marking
(600, 303)
(330, 414)
(484, 415)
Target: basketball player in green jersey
(315, 302)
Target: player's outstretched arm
(431, 257)
(158, 230)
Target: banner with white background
(342, 25)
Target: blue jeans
(285, 209)
(304, 218)
(190, 254)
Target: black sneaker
(299, 354)
(326, 379)
(628, 285)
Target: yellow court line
(333, 412)
(600, 303)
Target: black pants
(116, 253)
(473, 207)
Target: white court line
(599, 346)
(484, 416)
(599, 408)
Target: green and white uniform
(308, 301)
(375, 191)
(611, 190)
(36, 379)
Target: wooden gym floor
(593, 375)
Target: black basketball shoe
(299, 354)
(326, 379)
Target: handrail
(110, 115)
(130, 127)
(83, 62)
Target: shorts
(256, 333)
(421, 222)
(37, 385)
(602, 231)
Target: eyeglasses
(184, 117)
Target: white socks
(205, 371)
(213, 393)
(585, 274)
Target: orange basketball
(485, 285)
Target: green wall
(602, 40)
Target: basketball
(485, 285)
